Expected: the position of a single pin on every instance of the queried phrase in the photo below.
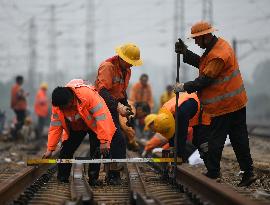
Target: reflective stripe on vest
(117, 80)
(227, 78)
(97, 118)
(56, 123)
(77, 116)
(96, 108)
(55, 116)
(222, 97)
(100, 117)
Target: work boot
(247, 179)
(212, 175)
(113, 178)
(95, 182)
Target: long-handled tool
(176, 118)
(85, 160)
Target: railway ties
(141, 184)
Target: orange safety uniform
(18, 98)
(227, 94)
(159, 141)
(140, 93)
(111, 77)
(41, 103)
(90, 107)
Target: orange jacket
(170, 105)
(140, 93)
(41, 103)
(91, 108)
(159, 141)
(18, 98)
(227, 94)
(110, 76)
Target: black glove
(130, 121)
(180, 47)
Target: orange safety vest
(227, 94)
(18, 99)
(91, 108)
(41, 103)
(170, 105)
(156, 141)
(110, 76)
(159, 141)
(139, 93)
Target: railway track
(142, 184)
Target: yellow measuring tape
(94, 161)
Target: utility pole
(53, 71)
(234, 44)
(207, 11)
(32, 83)
(179, 29)
(89, 38)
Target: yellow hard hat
(164, 123)
(44, 85)
(130, 53)
(148, 120)
(201, 28)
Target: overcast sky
(148, 23)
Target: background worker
(78, 109)
(18, 104)
(222, 94)
(189, 115)
(111, 82)
(159, 141)
(167, 95)
(141, 92)
(41, 107)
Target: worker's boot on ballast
(247, 179)
(93, 179)
(113, 178)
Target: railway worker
(111, 82)
(77, 110)
(41, 107)
(141, 92)
(18, 104)
(167, 95)
(158, 140)
(189, 115)
(222, 93)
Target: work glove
(145, 153)
(47, 154)
(180, 47)
(123, 110)
(104, 149)
(178, 87)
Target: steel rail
(208, 189)
(11, 188)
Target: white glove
(178, 87)
(145, 153)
